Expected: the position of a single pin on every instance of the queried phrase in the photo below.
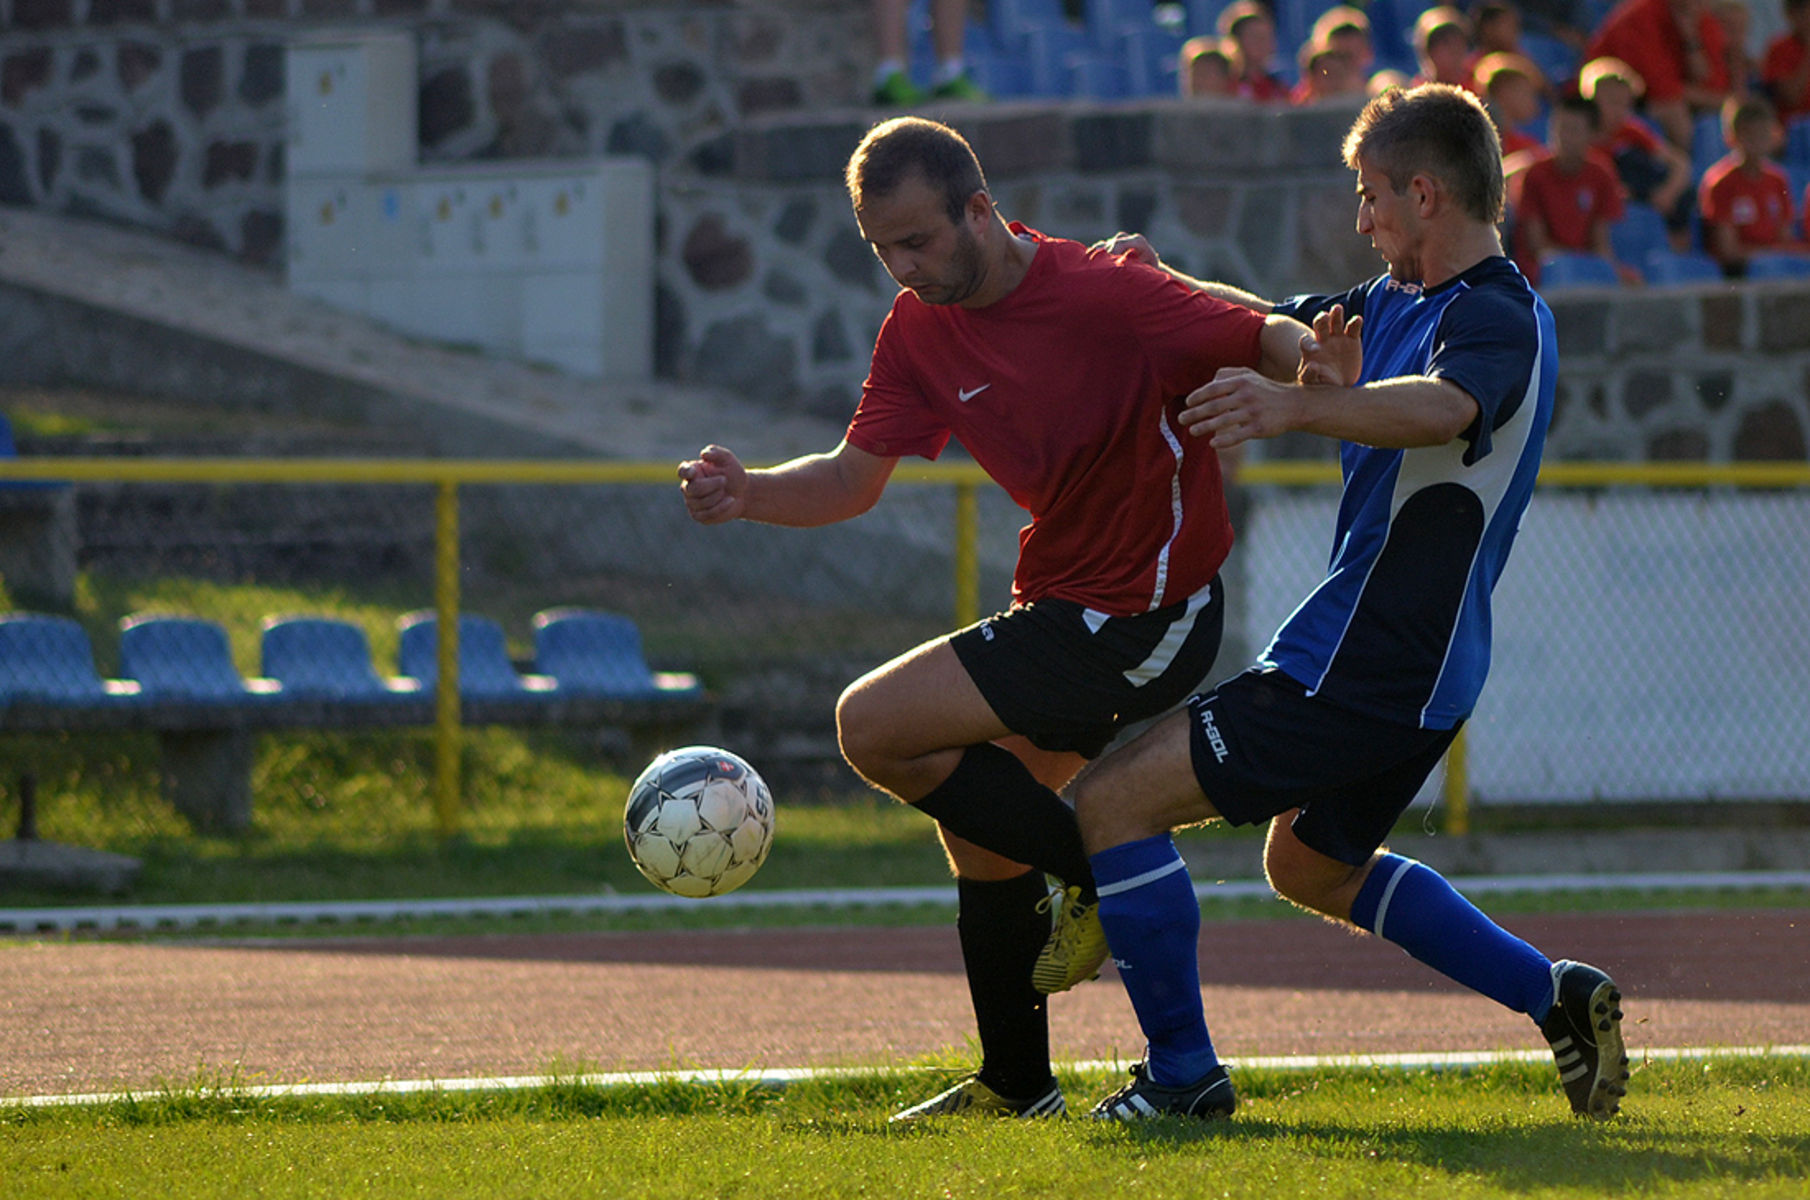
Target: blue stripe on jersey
(1400, 626)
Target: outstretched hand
(715, 486)
(1333, 353)
(1240, 405)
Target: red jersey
(1758, 206)
(1066, 392)
(1569, 205)
(1645, 35)
(1784, 57)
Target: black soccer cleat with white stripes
(1209, 1098)
(1584, 1030)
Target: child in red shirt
(1651, 169)
(1569, 198)
(1745, 198)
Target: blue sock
(1411, 904)
(1152, 923)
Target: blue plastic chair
(597, 653)
(1778, 265)
(183, 657)
(49, 660)
(1560, 271)
(1640, 231)
(323, 658)
(1797, 142)
(485, 671)
(1669, 267)
(1706, 143)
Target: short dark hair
(1438, 130)
(1583, 105)
(896, 150)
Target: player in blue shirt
(1347, 711)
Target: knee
(1307, 878)
(857, 733)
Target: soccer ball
(699, 822)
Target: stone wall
(168, 115)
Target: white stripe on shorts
(1163, 656)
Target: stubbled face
(1390, 222)
(921, 248)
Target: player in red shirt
(1785, 71)
(1062, 371)
(1442, 47)
(1568, 199)
(1510, 85)
(1745, 198)
(1679, 49)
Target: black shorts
(1261, 746)
(1069, 678)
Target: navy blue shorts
(1261, 746)
(1069, 678)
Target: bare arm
(818, 489)
(1137, 248)
(1402, 413)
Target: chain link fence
(1650, 638)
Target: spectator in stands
(1569, 198)
(948, 25)
(1511, 85)
(1679, 49)
(1347, 29)
(1651, 169)
(1785, 72)
(1327, 73)
(1206, 69)
(1249, 26)
(1745, 197)
(1495, 29)
(1737, 57)
(1385, 79)
(1442, 47)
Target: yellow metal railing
(448, 475)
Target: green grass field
(1723, 1127)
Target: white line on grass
(188, 916)
(781, 1076)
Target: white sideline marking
(185, 916)
(781, 1076)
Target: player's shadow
(1625, 1156)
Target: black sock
(995, 802)
(1001, 932)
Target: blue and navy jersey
(1400, 627)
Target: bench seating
(179, 681)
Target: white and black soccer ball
(699, 822)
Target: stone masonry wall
(168, 115)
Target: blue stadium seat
(1797, 142)
(1558, 271)
(183, 657)
(323, 658)
(485, 671)
(49, 660)
(1781, 264)
(1665, 266)
(596, 653)
(1556, 60)
(1640, 231)
(1706, 143)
